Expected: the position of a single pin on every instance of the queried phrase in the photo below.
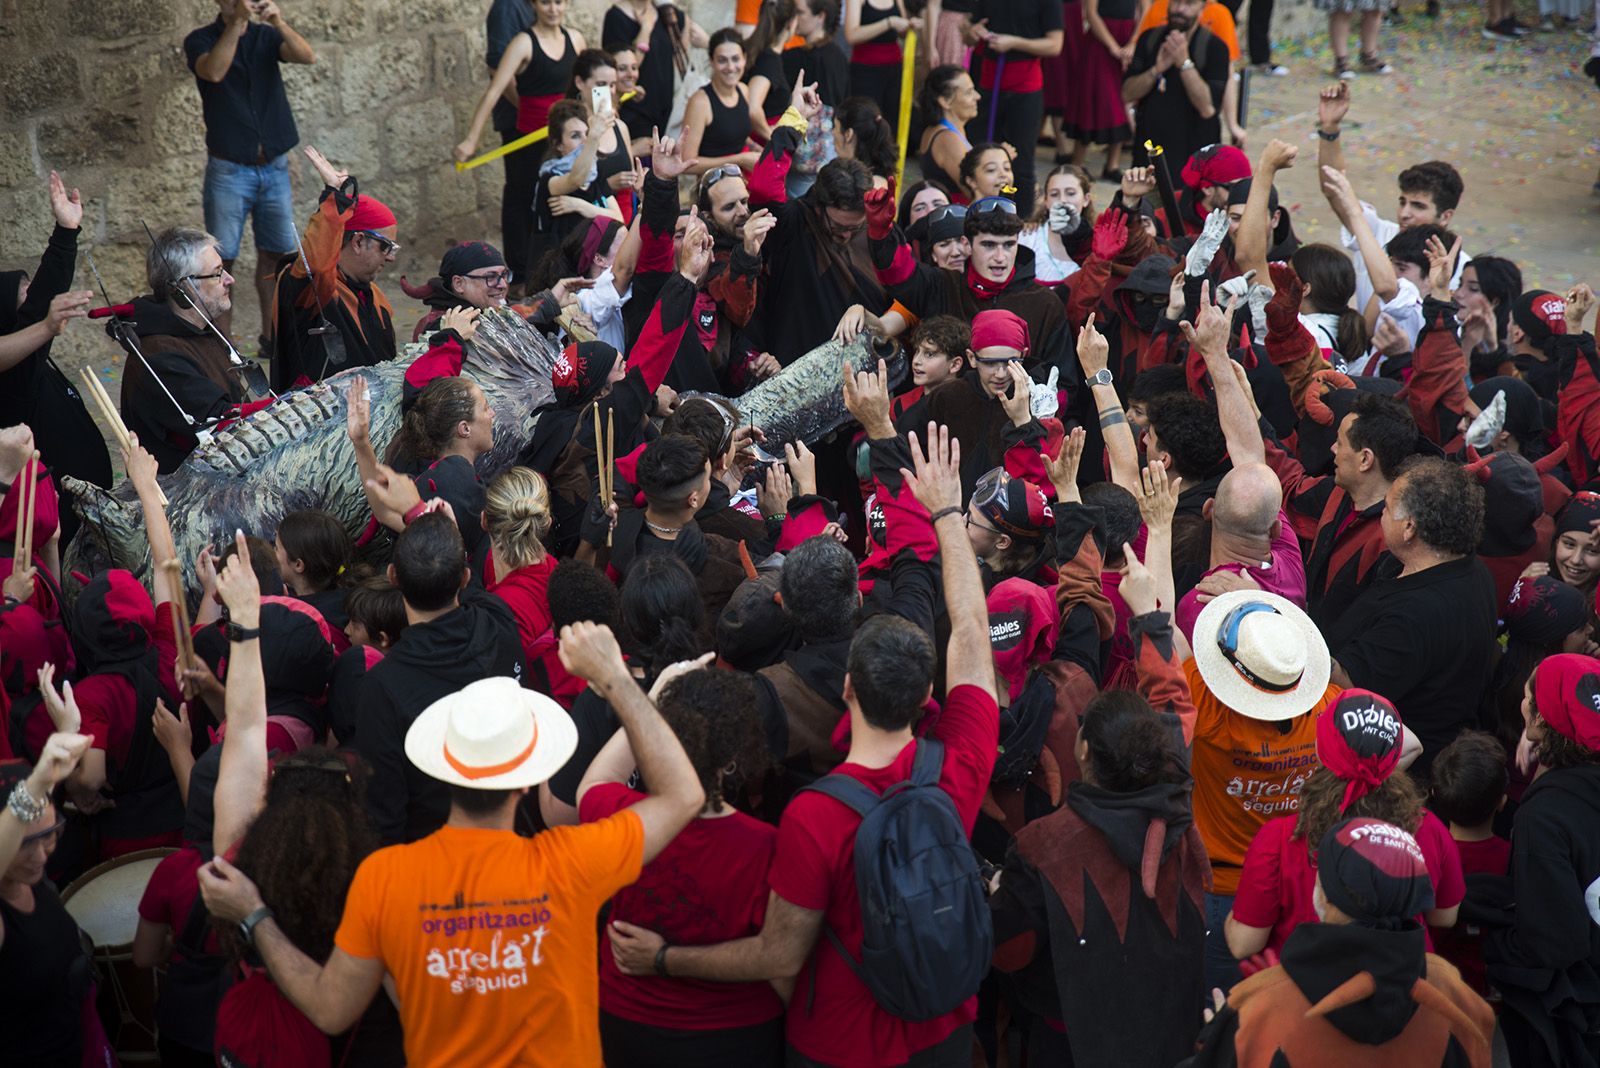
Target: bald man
(1252, 543)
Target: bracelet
(779, 515)
(1328, 136)
(661, 961)
(413, 512)
(24, 805)
(953, 509)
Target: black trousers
(1259, 29)
(516, 202)
(1016, 122)
(634, 1045)
(953, 1052)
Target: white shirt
(1384, 231)
(603, 305)
(1047, 270)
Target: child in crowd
(1469, 789)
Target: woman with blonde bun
(516, 516)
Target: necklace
(659, 529)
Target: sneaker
(1275, 70)
(1374, 65)
(1342, 71)
(1495, 33)
(1512, 26)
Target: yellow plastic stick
(908, 71)
(512, 146)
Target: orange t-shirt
(1245, 773)
(1214, 17)
(491, 939)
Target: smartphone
(600, 100)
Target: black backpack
(927, 934)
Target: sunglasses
(387, 246)
(988, 204)
(717, 174)
(1228, 645)
(947, 211)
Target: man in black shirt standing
(1175, 83)
(249, 131)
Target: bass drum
(105, 903)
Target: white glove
(1235, 288)
(1204, 249)
(1043, 399)
(1258, 298)
(1063, 218)
(1490, 421)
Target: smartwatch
(237, 633)
(247, 926)
(1101, 377)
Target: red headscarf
(1566, 689)
(369, 213)
(1359, 740)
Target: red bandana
(982, 288)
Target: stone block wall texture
(99, 91)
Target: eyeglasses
(843, 229)
(213, 276)
(49, 836)
(981, 526)
(493, 278)
(385, 244)
(988, 204)
(717, 174)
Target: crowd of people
(1187, 653)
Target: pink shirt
(1285, 575)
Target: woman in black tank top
(540, 79)
(769, 86)
(717, 122)
(875, 57)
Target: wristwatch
(237, 633)
(1326, 136)
(247, 926)
(1101, 377)
(1188, 64)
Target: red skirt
(1095, 111)
(1057, 70)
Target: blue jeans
(1221, 969)
(235, 191)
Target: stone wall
(98, 90)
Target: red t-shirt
(1462, 945)
(527, 592)
(170, 894)
(1276, 883)
(832, 1015)
(708, 886)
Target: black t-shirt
(1166, 115)
(1031, 19)
(247, 113)
(596, 722)
(1423, 642)
(658, 76)
(769, 65)
(824, 64)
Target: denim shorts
(236, 190)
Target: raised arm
(242, 776)
(59, 756)
(1251, 243)
(518, 52)
(1158, 503)
(141, 468)
(936, 483)
(1333, 103)
(1235, 406)
(575, 180)
(294, 49)
(1117, 433)
(590, 651)
(1347, 206)
(213, 66)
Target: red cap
(1359, 740)
(369, 213)
(998, 328)
(1215, 165)
(1566, 689)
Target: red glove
(1284, 307)
(1259, 962)
(1110, 235)
(880, 211)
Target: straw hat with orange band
(492, 735)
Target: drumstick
(180, 617)
(611, 455)
(25, 509)
(112, 417)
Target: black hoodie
(1317, 960)
(1546, 963)
(1119, 962)
(431, 660)
(193, 365)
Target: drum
(105, 902)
